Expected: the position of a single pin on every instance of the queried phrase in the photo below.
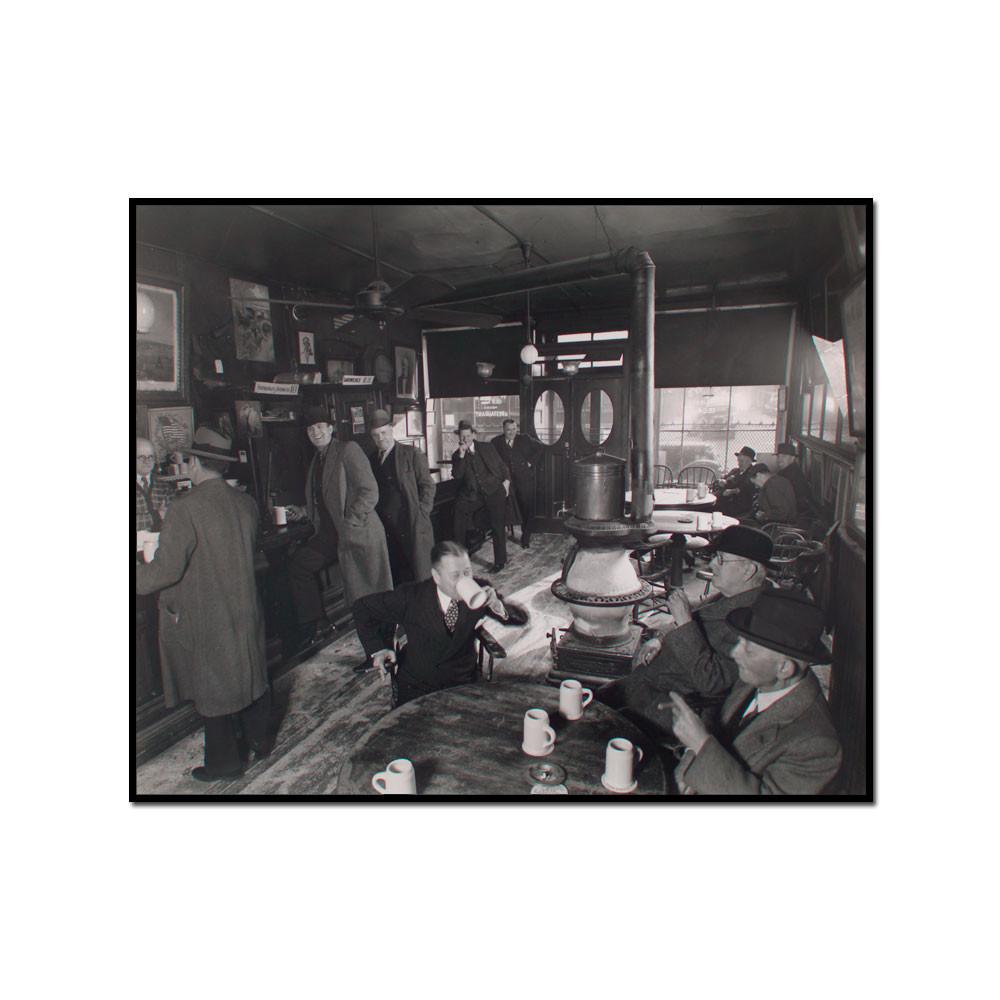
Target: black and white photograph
(171, 429)
(159, 356)
(616, 547)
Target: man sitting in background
(440, 627)
(775, 497)
(152, 495)
(695, 656)
(737, 490)
(775, 736)
(789, 468)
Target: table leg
(678, 542)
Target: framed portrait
(307, 348)
(252, 329)
(414, 423)
(854, 316)
(249, 419)
(337, 368)
(160, 345)
(407, 377)
(358, 419)
(171, 428)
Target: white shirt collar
(383, 455)
(765, 699)
(443, 599)
(139, 479)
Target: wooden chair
(692, 475)
(662, 476)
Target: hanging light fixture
(529, 354)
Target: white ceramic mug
(573, 699)
(280, 515)
(397, 779)
(619, 762)
(539, 736)
(702, 491)
(149, 549)
(471, 593)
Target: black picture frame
(161, 349)
(407, 372)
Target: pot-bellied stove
(599, 581)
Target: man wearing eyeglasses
(152, 495)
(694, 655)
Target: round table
(467, 741)
(683, 527)
(676, 498)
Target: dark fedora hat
(785, 623)
(748, 451)
(380, 418)
(758, 467)
(464, 425)
(786, 449)
(742, 540)
(316, 415)
(211, 444)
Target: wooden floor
(324, 707)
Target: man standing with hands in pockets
(483, 481)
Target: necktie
(451, 616)
(739, 720)
(145, 483)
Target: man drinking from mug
(483, 482)
(439, 621)
(775, 735)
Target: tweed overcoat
(350, 494)
(791, 748)
(211, 621)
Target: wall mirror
(549, 417)
(597, 416)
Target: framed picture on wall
(307, 348)
(252, 329)
(171, 428)
(160, 347)
(407, 377)
(414, 423)
(357, 419)
(337, 368)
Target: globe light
(144, 312)
(529, 354)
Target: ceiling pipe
(639, 265)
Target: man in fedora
(694, 654)
(211, 621)
(483, 483)
(775, 736)
(520, 453)
(789, 468)
(775, 497)
(341, 494)
(405, 500)
(737, 489)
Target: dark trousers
(466, 507)
(525, 496)
(227, 737)
(307, 560)
(397, 540)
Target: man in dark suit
(440, 626)
(483, 482)
(776, 736)
(737, 489)
(775, 497)
(520, 454)
(405, 500)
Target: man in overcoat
(775, 497)
(440, 627)
(788, 467)
(694, 655)
(483, 482)
(341, 494)
(775, 735)
(737, 488)
(405, 501)
(211, 621)
(520, 454)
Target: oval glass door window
(549, 417)
(597, 416)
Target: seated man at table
(736, 492)
(695, 655)
(789, 468)
(440, 627)
(775, 736)
(775, 497)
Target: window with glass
(825, 414)
(708, 424)
(485, 413)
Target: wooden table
(467, 741)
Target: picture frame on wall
(337, 368)
(171, 428)
(407, 375)
(357, 419)
(160, 341)
(414, 423)
(307, 348)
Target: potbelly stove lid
(564, 593)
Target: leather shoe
(497, 567)
(204, 774)
(525, 543)
(262, 748)
(516, 615)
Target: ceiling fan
(380, 302)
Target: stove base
(589, 663)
